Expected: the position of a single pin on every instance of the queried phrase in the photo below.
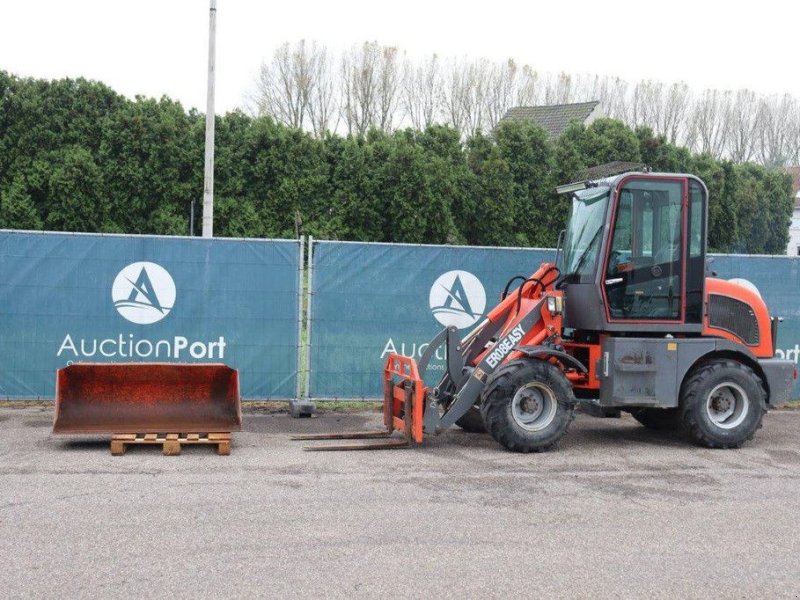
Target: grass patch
(27, 403)
(282, 406)
(348, 405)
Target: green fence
(111, 298)
(75, 297)
(371, 299)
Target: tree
(68, 184)
(660, 155)
(707, 131)
(607, 140)
(370, 87)
(76, 156)
(465, 95)
(356, 205)
(525, 148)
(742, 121)
(17, 210)
(495, 224)
(151, 155)
(500, 91)
(421, 97)
(722, 218)
(774, 121)
(416, 212)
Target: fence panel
(97, 298)
(372, 299)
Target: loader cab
(634, 255)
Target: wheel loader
(628, 318)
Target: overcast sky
(155, 47)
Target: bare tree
(422, 91)
(646, 105)
(741, 121)
(282, 86)
(500, 91)
(774, 133)
(558, 89)
(615, 102)
(389, 83)
(793, 133)
(454, 86)
(706, 131)
(372, 86)
(359, 75)
(465, 95)
(674, 108)
(323, 112)
(528, 87)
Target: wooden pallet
(170, 442)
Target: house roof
(555, 117)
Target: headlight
(555, 304)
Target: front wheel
(527, 405)
(722, 404)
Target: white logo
(143, 293)
(457, 299)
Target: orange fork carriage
(520, 325)
(403, 402)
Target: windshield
(584, 231)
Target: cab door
(645, 266)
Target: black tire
(709, 392)
(515, 392)
(472, 421)
(661, 419)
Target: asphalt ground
(614, 511)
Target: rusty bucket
(147, 397)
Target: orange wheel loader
(628, 319)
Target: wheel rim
(727, 405)
(534, 406)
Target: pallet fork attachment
(520, 320)
(403, 404)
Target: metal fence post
(300, 296)
(302, 406)
(309, 296)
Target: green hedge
(77, 156)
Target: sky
(159, 47)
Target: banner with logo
(372, 299)
(111, 298)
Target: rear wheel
(472, 421)
(665, 419)
(527, 405)
(722, 404)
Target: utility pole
(208, 186)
